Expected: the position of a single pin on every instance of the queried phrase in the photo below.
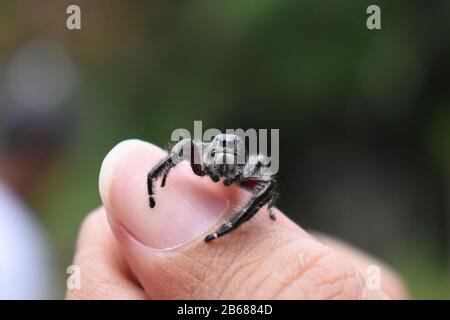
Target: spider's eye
(213, 153)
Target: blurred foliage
(310, 68)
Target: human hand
(128, 251)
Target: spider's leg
(179, 152)
(196, 160)
(263, 195)
(161, 169)
(253, 170)
(270, 205)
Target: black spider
(222, 157)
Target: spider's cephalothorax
(223, 158)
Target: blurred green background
(364, 116)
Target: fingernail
(186, 208)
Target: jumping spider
(219, 159)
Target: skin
(128, 251)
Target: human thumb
(165, 248)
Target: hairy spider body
(222, 158)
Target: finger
(391, 282)
(104, 272)
(165, 249)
